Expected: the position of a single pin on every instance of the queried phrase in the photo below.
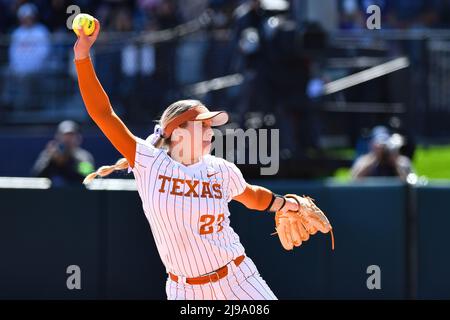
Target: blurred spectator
(30, 42)
(384, 159)
(28, 52)
(63, 160)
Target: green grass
(432, 162)
(342, 174)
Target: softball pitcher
(185, 193)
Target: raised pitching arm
(96, 100)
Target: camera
(61, 148)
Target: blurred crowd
(280, 58)
(261, 39)
(138, 15)
(116, 15)
(36, 60)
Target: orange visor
(198, 113)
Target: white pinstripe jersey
(187, 209)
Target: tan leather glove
(295, 227)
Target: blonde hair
(171, 112)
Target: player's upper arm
(99, 109)
(119, 135)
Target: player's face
(192, 141)
(201, 134)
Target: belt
(210, 277)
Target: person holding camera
(63, 161)
(384, 158)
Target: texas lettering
(190, 188)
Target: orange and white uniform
(186, 207)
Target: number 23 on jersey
(208, 226)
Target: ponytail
(103, 171)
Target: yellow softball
(84, 20)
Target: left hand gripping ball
(84, 20)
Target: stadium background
(262, 62)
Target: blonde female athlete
(184, 192)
